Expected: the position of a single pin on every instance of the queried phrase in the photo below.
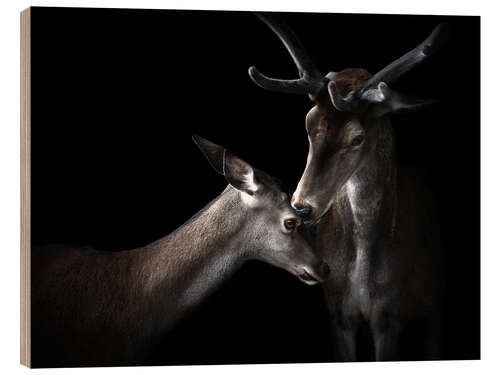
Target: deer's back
(82, 306)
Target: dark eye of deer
(290, 224)
(357, 140)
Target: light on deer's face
(270, 223)
(277, 223)
(337, 143)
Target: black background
(117, 95)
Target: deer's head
(348, 117)
(271, 225)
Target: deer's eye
(290, 224)
(357, 140)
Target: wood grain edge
(25, 340)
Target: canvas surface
(116, 96)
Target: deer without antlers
(103, 308)
(374, 222)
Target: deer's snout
(314, 276)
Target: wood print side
(25, 350)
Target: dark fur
(400, 236)
(376, 224)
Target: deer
(103, 308)
(372, 219)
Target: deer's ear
(238, 172)
(214, 153)
(386, 101)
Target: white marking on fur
(359, 280)
(250, 181)
(351, 190)
(249, 200)
(359, 274)
(298, 191)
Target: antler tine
(408, 61)
(310, 82)
(292, 86)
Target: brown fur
(96, 308)
(389, 254)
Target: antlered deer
(374, 223)
(110, 308)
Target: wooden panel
(25, 186)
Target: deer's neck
(186, 266)
(371, 190)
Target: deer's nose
(303, 210)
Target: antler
(375, 90)
(371, 90)
(311, 81)
(409, 60)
